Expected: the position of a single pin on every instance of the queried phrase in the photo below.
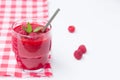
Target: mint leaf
(29, 28)
(37, 29)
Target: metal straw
(50, 20)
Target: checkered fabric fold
(10, 11)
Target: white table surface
(97, 25)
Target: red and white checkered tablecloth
(10, 11)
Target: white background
(97, 25)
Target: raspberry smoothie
(31, 49)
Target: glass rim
(28, 36)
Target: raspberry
(71, 28)
(33, 35)
(23, 32)
(78, 54)
(82, 48)
(79, 51)
(47, 29)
